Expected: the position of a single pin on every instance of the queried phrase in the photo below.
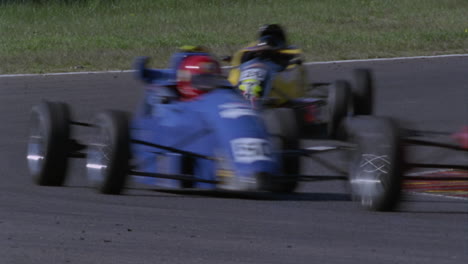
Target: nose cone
(246, 182)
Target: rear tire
(282, 125)
(48, 145)
(377, 164)
(108, 156)
(339, 95)
(363, 92)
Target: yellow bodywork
(288, 84)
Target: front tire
(108, 156)
(376, 167)
(49, 141)
(282, 125)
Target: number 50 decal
(248, 150)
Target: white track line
(307, 63)
(64, 73)
(389, 59)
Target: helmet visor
(207, 81)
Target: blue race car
(193, 130)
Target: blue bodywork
(219, 124)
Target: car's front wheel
(376, 169)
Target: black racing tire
(48, 144)
(376, 167)
(109, 153)
(282, 126)
(188, 168)
(338, 104)
(363, 92)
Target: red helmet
(196, 75)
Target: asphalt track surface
(320, 224)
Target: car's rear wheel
(363, 92)
(339, 100)
(109, 153)
(48, 143)
(377, 164)
(282, 126)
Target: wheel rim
(37, 146)
(98, 156)
(368, 182)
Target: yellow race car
(282, 66)
(269, 72)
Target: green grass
(107, 35)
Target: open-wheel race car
(214, 139)
(270, 74)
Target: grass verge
(86, 35)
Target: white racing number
(248, 150)
(256, 74)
